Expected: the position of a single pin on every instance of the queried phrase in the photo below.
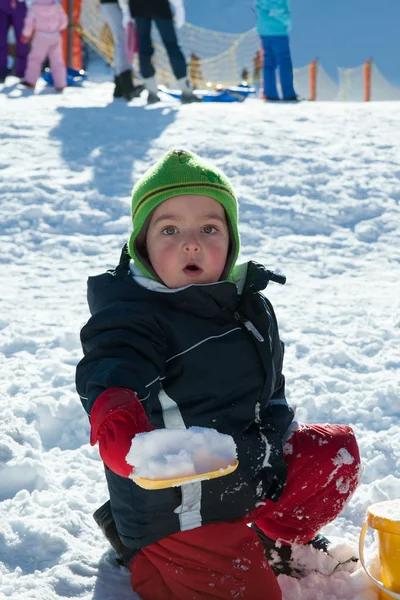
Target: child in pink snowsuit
(45, 20)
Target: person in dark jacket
(181, 336)
(159, 11)
(123, 77)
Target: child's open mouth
(192, 270)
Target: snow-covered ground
(319, 198)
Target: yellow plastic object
(161, 484)
(384, 517)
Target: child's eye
(169, 230)
(209, 229)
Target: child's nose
(192, 245)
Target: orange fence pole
(72, 49)
(367, 68)
(312, 77)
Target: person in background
(44, 22)
(159, 11)
(12, 12)
(245, 76)
(273, 25)
(123, 76)
(257, 64)
(195, 72)
(180, 336)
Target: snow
(170, 453)
(312, 560)
(319, 201)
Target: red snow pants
(225, 561)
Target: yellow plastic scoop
(160, 484)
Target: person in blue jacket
(273, 26)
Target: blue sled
(231, 94)
(74, 77)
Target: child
(45, 20)
(12, 12)
(273, 26)
(181, 336)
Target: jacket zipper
(249, 326)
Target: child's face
(187, 240)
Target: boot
(151, 86)
(105, 520)
(292, 99)
(152, 98)
(125, 86)
(27, 84)
(187, 96)
(117, 89)
(299, 560)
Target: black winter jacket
(201, 355)
(151, 9)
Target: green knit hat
(178, 173)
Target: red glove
(24, 39)
(116, 417)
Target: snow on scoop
(166, 458)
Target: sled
(230, 94)
(74, 77)
(161, 484)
